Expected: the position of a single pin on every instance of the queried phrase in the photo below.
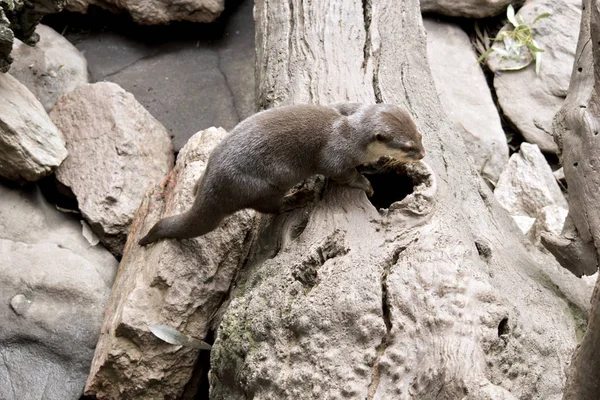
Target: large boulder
(116, 151)
(180, 283)
(531, 101)
(466, 97)
(465, 8)
(31, 146)
(153, 12)
(54, 287)
(527, 185)
(50, 68)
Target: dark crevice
(390, 184)
(385, 310)
(503, 328)
(58, 194)
(198, 386)
(484, 250)
(368, 49)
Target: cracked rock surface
(465, 8)
(54, 288)
(189, 77)
(117, 150)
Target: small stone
(20, 304)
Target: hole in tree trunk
(503, 328)
(391, 183)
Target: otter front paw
(363, 183)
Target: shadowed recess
(390, 184)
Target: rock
(18, 18)
(49, 69)
(151, 68)
(531, 101)
(466, 97)
(152, 12)
(549, 219)
(53, 291)
(179, 283)
(116, 151)
(465, 8)
(527, 185)
(31, 146)
(559, 174)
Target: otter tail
(170, 227)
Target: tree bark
(576, 134)
(576, 128)
(434, 296)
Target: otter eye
(381, 137)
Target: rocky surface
(31, 146)
(531, 101)
(466, 97)
(188, 76)
(527, 186)
(180, 283)
(18, 18)
(53, 290)
(465, 8)
(153, 12)
(49, 69)
(116, 151)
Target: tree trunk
(435, 295)
(576, 128)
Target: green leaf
(510, 14)
(484, 55)
(541, 16)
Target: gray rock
(153, 12)
(116, 151)
(531, 101)
(171, 78)
(31, 146)
(178, 283)
(465, 8)
(466, 97)
(527, 185)
(49, 69)
(53, 291)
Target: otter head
(395, 135)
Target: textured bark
(576, 129)
(436, 296)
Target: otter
(268, 153)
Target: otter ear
(382, 137)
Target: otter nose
(419, 154)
